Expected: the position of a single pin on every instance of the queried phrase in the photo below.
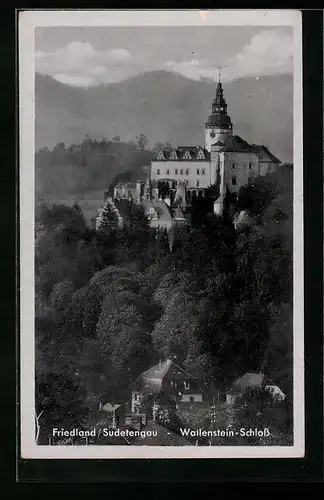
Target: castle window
(160, 156)
(233, 181)
(203, 172)
(168, 172)
(200, 155)
(176, 171)
(234, 165)
(173, 156)
(250, 165)
(158, 171)
(187, 156)
(197, 184)
(187, 171)
(198, 171)
(181, 171)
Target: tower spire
(219, 73)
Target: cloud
(78, 63)
(269, 52)
(75, 81)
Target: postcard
(161, 234)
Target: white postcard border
(27, 22)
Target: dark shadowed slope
(166, 107)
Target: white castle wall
(167, 169)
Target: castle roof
(180, 153)
(264, 154)
(235, 143)
(219, 116)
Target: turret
(219, 124)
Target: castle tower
(219, 124)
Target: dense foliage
(93, 163)
(111, 303)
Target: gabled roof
(252, 380)
(167, 369)
(161, 208)
(235, 143)
(111, 407)
(180, 152)
(263, 153)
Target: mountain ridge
(165, 106)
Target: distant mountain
(165, 106)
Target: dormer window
(160, 156)
(187, 156)
(200, 155)
(173, 156)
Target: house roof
(165, 437)
(111, 407)
(154, 376)
(180, 152)
(161, 208)
(252, 380)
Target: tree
(258, 409)
(142, 142)
(109, 218)
(60, 402)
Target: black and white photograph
(161, 216)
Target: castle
(178, 176)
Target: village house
(166, 379)
(253, 381)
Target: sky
(90, 56)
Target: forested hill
(109, 304)
(165, 106)
(90, 165)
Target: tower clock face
(212, 134)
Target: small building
(253, 381)
(169, 379)
(115, 414)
